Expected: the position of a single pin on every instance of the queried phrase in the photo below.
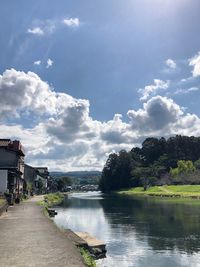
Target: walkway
(29, 239)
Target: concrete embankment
(28, 239)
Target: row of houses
(16, 177)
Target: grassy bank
(89, 261)
(186, 191)
(2, 202)
(52, 199)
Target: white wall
(3, 181)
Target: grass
(2, 202)
(51, 200)
(190, 191)
(89, 261)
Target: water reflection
(137, 231)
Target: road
(29, 239)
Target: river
(138, 231)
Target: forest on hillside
(175, 160)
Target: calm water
(139, 232)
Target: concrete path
(29, 239)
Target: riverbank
(52, 199)
(2, 202)
(28, 238)
(183, 191)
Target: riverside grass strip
(184, 191)
(89, 261)
(2, 202)
(51, 200)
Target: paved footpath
(29, 239)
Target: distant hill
(76, 174)
(80, 177)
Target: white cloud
(38, 62)
(148, 90)
(49, 26)
(116, 131)
(72, 22)
(20, 91)
(157, 114)
(61, 133)
(193, 89)
(36, 31)
(186, 91)
(49, 63)
(170, 63)
(195, 63)
(45, 27)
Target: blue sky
(80, 79)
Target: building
(36, 179)
(29, 178)
(12, 168)
(42, 178)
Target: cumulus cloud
(116, 131)
(49, 63)
(157, 114)
(36, 31)
(148, 90)
(66, 137)
(38, 62)
(20, 91)
(170, 63)
(195, 63)
(71, 122)
(71, 22)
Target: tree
(153, 163)
(197, 164)
(62, 182)
(184, 166)
(108, 173)
(152, 149)
(66, 180)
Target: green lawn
(171, 190)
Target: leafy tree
(153, 163)
(197, 164)
(66, 180)
(62, 182)
(184, 166)
(152, 149)
(108, 173)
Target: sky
(82, 79)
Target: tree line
(159, 161)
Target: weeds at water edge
(89, 261)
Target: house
(42, 177)
(29, 178)
(12, 168)
(36, 178)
